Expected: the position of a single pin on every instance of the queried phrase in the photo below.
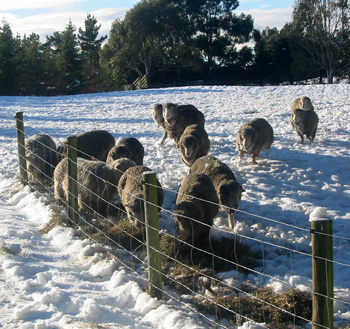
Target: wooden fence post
(152, 234)
(21, 148)
(72, 178)
(322, 273)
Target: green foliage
(9, 47)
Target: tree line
(178, 42)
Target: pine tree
(9, 48)
(90, 46)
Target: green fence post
(21, 148)
(152, 234)
(322, 274)
(72, 178)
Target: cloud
(47, 23)
(36, 4)
(269, 17)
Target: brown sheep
(130, 189)
(229, 191)
(129, 148)
(196, 207)
(253, 137)
(303, 103)
(92, 145)
(40, 152)
(157, 114)
(305, 123)
(97, 182)
(194, 143)
(178, 117)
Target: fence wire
(240, 292)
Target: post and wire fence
(213, 305)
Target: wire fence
(205, 277)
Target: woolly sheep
(253, 137)
(178, 117)
(193, 144)
(97, 182)
(130, 189)
(229, 191)
(196, 207)
(305, 123)
(303, 103)
(40, 152)
(157, 113)
(129, 148)
(92, 145)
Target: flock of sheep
(107, 169)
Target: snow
(60, 279)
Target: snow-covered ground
(58, 280)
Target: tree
(89, 44)
(273, 57)
(9, 48)
(153, 36)
(90, 47)
(323, 28)
(32, 68)
(217, 29)
(66, 55)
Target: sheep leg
(231, 222)
(165, 135)
(254, 159)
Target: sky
(47, 16)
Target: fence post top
(320, 214)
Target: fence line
(240, 291)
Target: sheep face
(135, 210)
(305, 103)
(189, 148)
(230, 196)
(170, 114)
(297, 116)
(157, 114)
(248, 138)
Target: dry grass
(278, 311)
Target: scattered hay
(278, 311)
(186, 264)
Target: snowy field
(57, 280)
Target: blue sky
(46, 16)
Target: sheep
(97, 182)
(129, 148)
(253, 137)
(227, 188)
(193, 144)
(92, 145)
(178, 117)
(157, 113)
(130, 189)
(197, 204)
(40, 152)
(303, 103)
(305, 123)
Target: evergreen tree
(9, 48)
(90, 47)
(67, 58)
(32, 78)
(217, 30)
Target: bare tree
(324, 31)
